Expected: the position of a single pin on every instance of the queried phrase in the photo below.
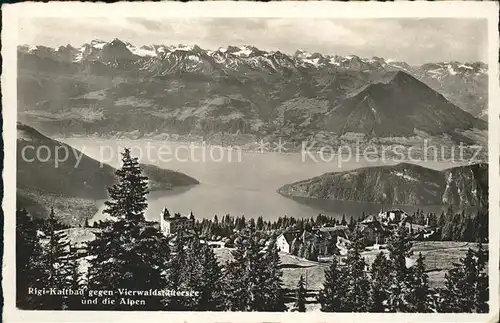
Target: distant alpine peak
(117, 42)
(238, 51)
(67, 47)
(97, 43)
(302, 53)
(444, 69)
(396, 77)
(142, 51)
(351, 57)
(183, 47)
(245, 51)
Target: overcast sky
(415, 41)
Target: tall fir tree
(236, 294)
(128, 252)
(128, 196)
(441, 220)
(253, 277)
(179, 274)
(57, 262)
(294, 248)
(343, 221)
(76, 281)
(271, 286)
(251, 224)
(331, 297)
(482, 286)
(420, 299)
(313, 252)
(260, 223)
(380, 279)
(466, 285)
(400, 248)
(255, 273)
(480, 225)
(357, 293)
(303, 251)
(458, 295)
(196, 268)
(29, 262)
(352, 223)
(300, 296)
(210, 282)
(129, 255)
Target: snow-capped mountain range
(464, 84)
(245, 89)
(233, 56)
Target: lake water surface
(237, 186)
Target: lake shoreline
(247, 187)
(341, 148)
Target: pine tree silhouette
(420, 300)
(466, 285)
(128, 252)
(400, 247)
(300, 296)
(357, 293)
(128, 196)
(331, 297)
(179, 274)
(253, 278)
(236, 294)
(254, 273)
(482, 286)
(57, 262)
(209, 283)
(29, 262)
(271, 289)
(75, 280)
(380, 279)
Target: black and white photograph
(253, 163)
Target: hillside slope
(74, 183)
(86, 178)
(401, 184)
(397, 105)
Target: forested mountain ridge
(401, 184)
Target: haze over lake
(246, 187)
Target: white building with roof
(172, 224)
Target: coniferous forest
(132, 265)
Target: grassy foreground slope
(439, 258)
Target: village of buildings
(332, 240)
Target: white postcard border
(455, 9)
